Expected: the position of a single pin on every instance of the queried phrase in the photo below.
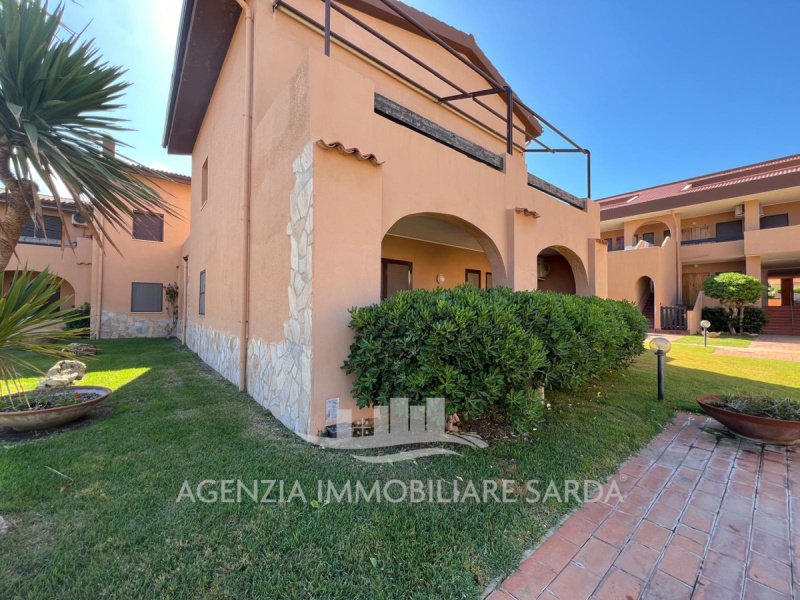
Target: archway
(559, 269)
(430, 250)
(66, 290)
(652, 232)
(645, 294)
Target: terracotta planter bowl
(759, 429)
(26, 420)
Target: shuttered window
(148, 227)
(32, 233)
(772, 221)
(146, 297)
(729, 230)
(202, 307)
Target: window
(146, 297)
(148, 227)
(32, 233)
(729, 230)
(667, 233)
(395, 276)
(202, 308)
(774, 221)
(649, 237)
(489, 282)
(204, 184)
(621, 242)
(609, 244)
(473, 277)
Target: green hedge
(483, 349)
(754, 319)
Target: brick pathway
(704, 515)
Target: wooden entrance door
(692, 284)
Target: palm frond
(31, 321)
(57, 104)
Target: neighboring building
(360, 179)
(124, 280)
(665, 241)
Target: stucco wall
(141, 261)
(301, 97)
(431, 259)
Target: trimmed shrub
(754, 319)
(482, 349)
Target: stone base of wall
(279, 373)
(279, 378)
(217, 349)
(113, 325)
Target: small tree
(734, 290)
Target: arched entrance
(645, 299)
(559, 269)
(65, 290)
(430, 250)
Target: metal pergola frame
(498, 87)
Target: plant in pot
(33, 323)
(760, 418)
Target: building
(383, 153)
(123, 277)
(665, 241)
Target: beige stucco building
(123, 277)
(665, 241)
(350, 176)
(334, 166)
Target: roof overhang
(712, 194)
(204, 35)
(206, 30)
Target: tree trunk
(730, 311)
(741, 319)
(11, 225)
(17, 210)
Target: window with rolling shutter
(33, 233)
(202, 307)
(772, 221)
(148, 227)
(146, 297)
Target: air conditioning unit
(738, 212)
(542, 267)
(78, 220)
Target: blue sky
(657, 90)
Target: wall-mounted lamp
(440, 279)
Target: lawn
(725, 340)
(117, 530)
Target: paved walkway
(776, 347)
(704, 515)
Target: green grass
(725, 340)
(118, 531)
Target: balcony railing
(712, 240)
(456, 92)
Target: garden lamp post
(705, 325)
(660, 347)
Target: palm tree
(57, 97)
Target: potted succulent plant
(32, 323)
(759, 418)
